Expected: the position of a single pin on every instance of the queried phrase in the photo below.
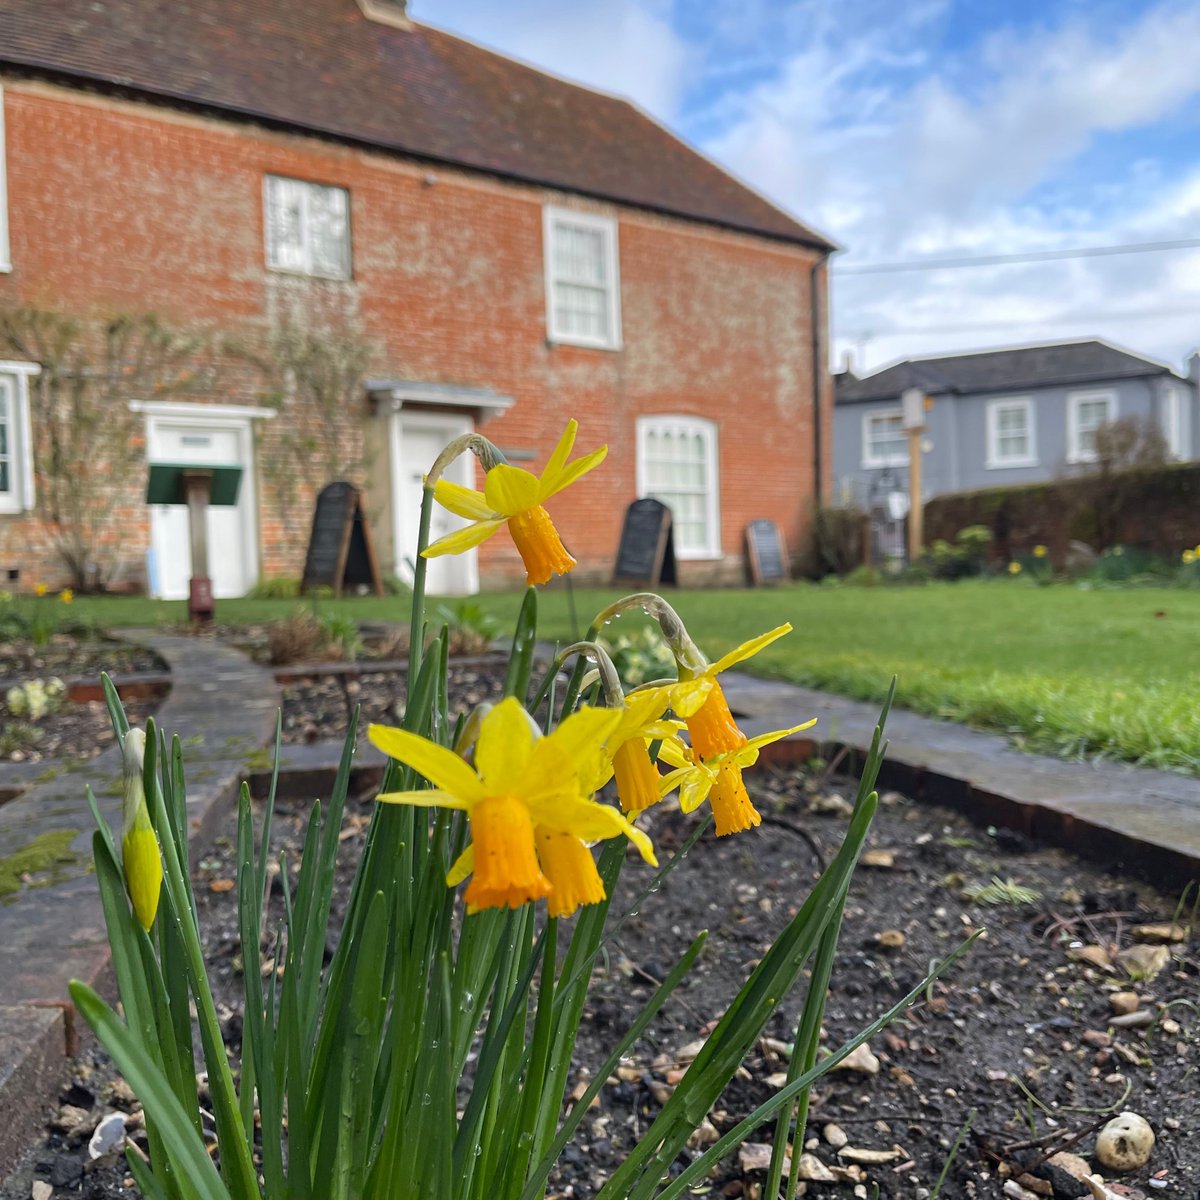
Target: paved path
(223, 706)
(1139, 820)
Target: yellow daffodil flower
(700, 701)
(515, 497)
(66, 595)
(523, 789)
(1014, 568)
(41, 589)
(140, 856)
(1040, 551)
(1189, 557)
(625, 753)
(719, 779)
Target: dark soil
(78, 730)
(318, 707)
(1019, 1034)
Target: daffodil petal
(693, 791)
(552, 485)
(592, 822)
(463, 501)
(748, 649)
(688, 695)
(464, 864)
(765, 739)
(641, 709)
(440, 766)
(674, 753)
(424, 798)
(511, 490)
(504, 746)
(464, 539)
(562, 452)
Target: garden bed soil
(318, 706)
(80, 730)
(1019, 1034)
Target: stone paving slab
(223, 707)
(1139, 819)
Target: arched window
(677, 464)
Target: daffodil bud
(140, 856)
(689, 659)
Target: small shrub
(864, 576)
(472, 628)
(18, 737)
(837, 540)
(282, 587)
(341, 634)
(1129, 565)
(36, 698)
(298, 637)
(641, 657)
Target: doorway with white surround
(204, 435)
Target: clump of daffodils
(36, 698)
(404, 1043)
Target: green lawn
(1062, 670)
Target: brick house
(515, 250)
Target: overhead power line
(1029, 256)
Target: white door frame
(449, 425)
(164, 414)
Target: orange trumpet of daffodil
(515, 497)
(699, 699)
(529, 811)
(719, 779)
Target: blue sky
(928, 128)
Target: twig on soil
(802, 834)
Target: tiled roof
(1000, 370)
(322, 66)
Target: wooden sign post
(197, 487)
(767, 552)
(646, 554)
(913, 404)
(340, 550)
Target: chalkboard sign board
(768, 554)
(340, 553)
(647, 550)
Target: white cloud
(622, 46)
(982, 154)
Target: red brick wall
(119, 206)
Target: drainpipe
(818, 368)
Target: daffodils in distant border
(1040, 551)
(1014, 568)
(516, 497)
(140, 855)
(529, 809)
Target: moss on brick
(47, 854)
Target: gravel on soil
(1022, 1033)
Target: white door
(231, 562)
(417, 440)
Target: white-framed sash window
(1086, 412)
(583, 287)
(307, 227)
(884, 442)
(1010, 433)
(16, 438)
(677, 464)
(1176, 427)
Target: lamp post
(913, 403)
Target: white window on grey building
(1086, 412)
(1010, 433)
(1175, 423)
(307, 227)
(884, 442)
(583, 304)
(677, 464)
(16, 442)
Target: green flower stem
(416, 626)
(614, 694)
(688, 656)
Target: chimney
(387, 12)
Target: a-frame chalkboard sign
(646, 554)
(340, 551)
(767, 551)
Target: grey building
(997, 417)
